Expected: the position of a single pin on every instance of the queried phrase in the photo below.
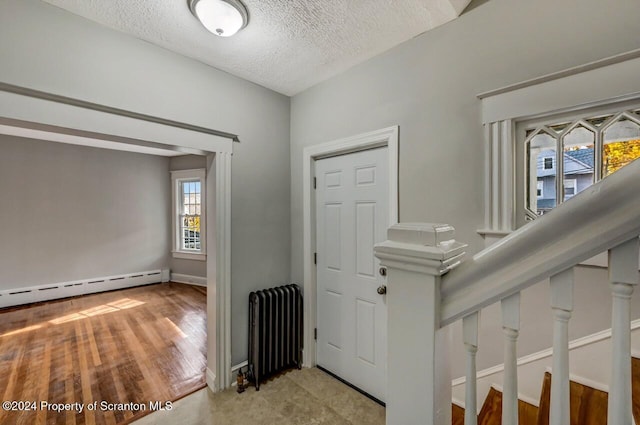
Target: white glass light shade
(221, 17)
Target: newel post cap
(428, 234)
(421, 247)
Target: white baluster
(511, 328)
(623, 275)
(470, 336)
(562, 305)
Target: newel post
(416, 255)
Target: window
(540, 190)
(570, 188)
(189, 240)
(583, 148)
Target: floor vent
(13, 297)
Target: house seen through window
(565, 157)
(189, 213)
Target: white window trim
(176, 178)
(612, 111)
(611, 80)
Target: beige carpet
(301, 397)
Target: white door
(352, 214)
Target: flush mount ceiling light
(221, 17)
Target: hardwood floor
(133, 347)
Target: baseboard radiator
(275, 331)
(33, 294)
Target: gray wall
(49, 49)
(71, 212)
(180, 265)
(428, 86)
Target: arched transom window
(564, 157)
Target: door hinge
(314, 183)
(315, 258)
(315, 334)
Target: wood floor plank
(43, 387)
(83, 366)
(125, 347)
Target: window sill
(494, 233)
(189, 256)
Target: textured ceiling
(289, 45)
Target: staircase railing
(425, 295)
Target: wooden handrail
(595, 220)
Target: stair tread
(491, 412)
(457, 415)
(588, 405)
(635, 388)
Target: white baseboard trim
(583, 381)
(33, 294)
(166, 275)
(457, 402)
(188, 279)
(520, 396)
(239, 365)
(575, 344)
(234, 369)
(211, 380)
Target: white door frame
(25, 112)
(219, 273)
(380, 138)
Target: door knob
(382, 289)
(382, 271)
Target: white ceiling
(289, 45)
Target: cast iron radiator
(275, 331)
